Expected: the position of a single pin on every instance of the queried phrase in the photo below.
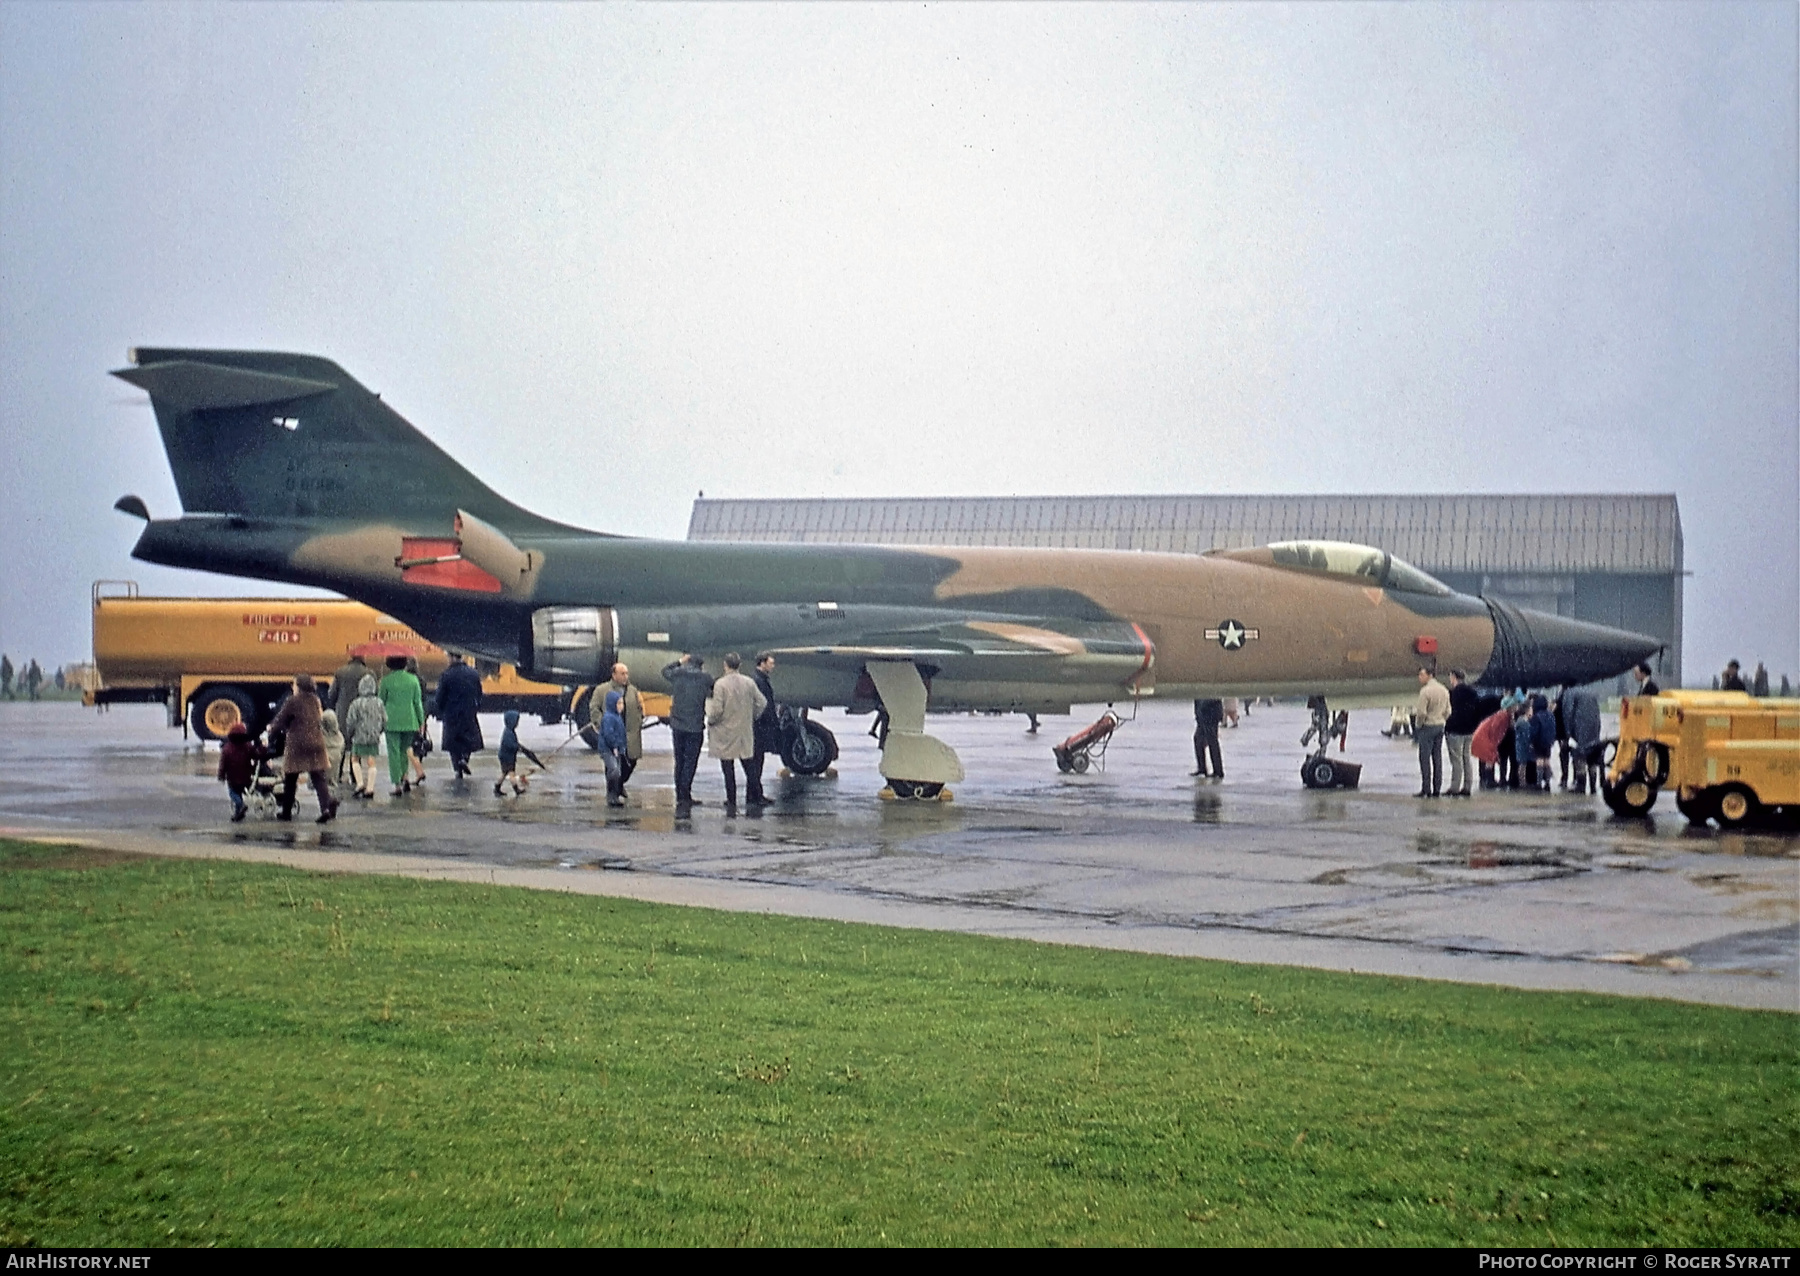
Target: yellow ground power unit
(1728, 756)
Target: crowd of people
(340, 733)
(1503, 741)
(29, 680)
(1732, 679)
(1521, 740)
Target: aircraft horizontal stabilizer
(182, 385)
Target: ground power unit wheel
(1735, 806)
(1700, 808)
(1633, 796)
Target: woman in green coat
(404, 699)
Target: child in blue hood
(510, 749)
(612, 746)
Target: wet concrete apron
(1542, 891)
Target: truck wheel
(1735, 806)
(1318, 773)
(217, 709)
(810, 749)
(1698, 809)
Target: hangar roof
(1566, 533)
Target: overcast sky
(612, 255)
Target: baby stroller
(264, 796)
(265, 789)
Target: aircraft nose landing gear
(1320, 770)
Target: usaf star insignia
(1231, 635)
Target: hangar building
(1616, 560)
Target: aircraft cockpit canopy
(1365, 562)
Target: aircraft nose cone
(1536, 649)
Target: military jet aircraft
(289, 470)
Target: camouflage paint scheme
(289, 470)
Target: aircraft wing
(1055, 652)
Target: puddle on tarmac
(1773, 952)
(1438, 851)
(1352, 876)
(607, 863)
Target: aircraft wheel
(1318, 773)
(1698, 809)
(216, 710)
(809, 749)
(1736, 806)
(1079, 763)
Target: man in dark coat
(1581, 716)
(768, 733)
(345, 684)
(1208, 714)
(458, 698)
(690, 686)
(1459, 731)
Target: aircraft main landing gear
(1320, 770)
(915, 765)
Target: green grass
(223, 1053)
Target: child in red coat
(237, 766)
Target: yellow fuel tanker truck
(213, 662)
(1728, 756)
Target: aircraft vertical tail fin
(293, 436)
